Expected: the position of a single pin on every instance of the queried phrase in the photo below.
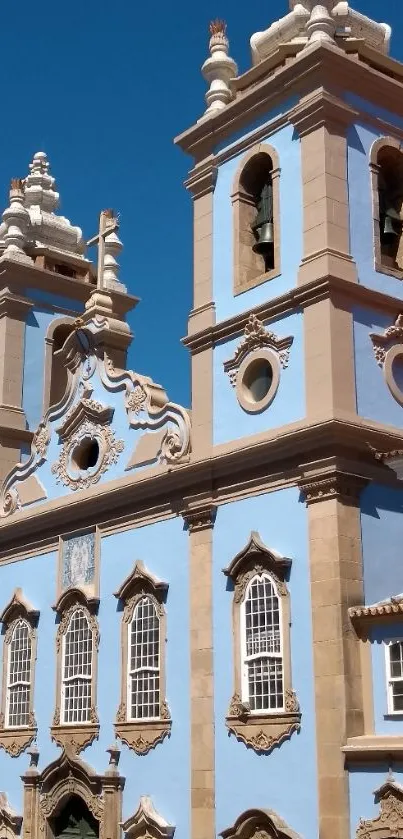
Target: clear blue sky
(103, 87)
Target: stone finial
(113, 247)
(16, 223)
(114, 757)
(39, 185)
(218, 70)
(321, 26)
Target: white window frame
(132, 673)
(389, 678)
(81, 678)
(246, 659)
(28, 683)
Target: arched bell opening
(74, 821)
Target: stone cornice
(335, 484)
(268, 460)
(318, 109)
(200, 518)
(370, 748)
(364, 618)
(14, 305)
(298, 297)
(379, 80)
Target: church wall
(230, 420)
(374, 399)
(163, 773)
(287, 147)
(255, 780)
(381, 528)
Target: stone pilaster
(14, 309)
(200, 523)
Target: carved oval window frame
(391, 382)
(260, 354)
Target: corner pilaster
(14, 309)
(200, 523)
(332, 498)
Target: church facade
(202, 609)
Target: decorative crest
(382, 343)
(255, 337)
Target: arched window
(256, 226)
(143, 717)
(18, 726)
(77, 640)
(387, 195)
(19, 676)
(262, 646)
(144, 662)
(77, 670)
(56, 373)
(264, 708)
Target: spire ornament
(218, 70)
(321, 26)
(16, 221)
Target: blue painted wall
(374, 399)
(384, 723)
(164, 772)
(230, 420)
(245, 779)
(382, 534)
(287, 146)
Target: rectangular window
(394, 666)
(19, 677)
(77, 670)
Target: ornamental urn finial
(16, 220)
(218, 69)
(321, 26)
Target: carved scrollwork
(256, 336)
(389, 822)
(259, 824)
(143, 735)
(136, 399)
(66, 470)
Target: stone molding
(388, 346)
(373, 749)
(387, 825)
(76, 736)
(318, 109)
(141, 735)
(339, 485)
(147, 823)
(200, 518)
(379, 144)
(46, 792)
(364, 618)
(15, 740)
(259, 824)
(264, 731)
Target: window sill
(263, 732)
(143, 735)
(386, 269)
(262, 278)
(76, 736)
(373, 748)
(393, 715)
(15, 740)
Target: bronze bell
(389, 227)
(265, 241)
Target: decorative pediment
(19, 607)
(75, 596)
(86, 409)
(256, 336)
(10, 821)
(389, 823)
(259, 824)
(147, 823)
(255, 558)
(138, 580)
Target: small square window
(394, 673)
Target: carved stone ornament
(389, 823)
(265, 730)
(257, 336)
(336, 484)
(388, 611)
(10, 821)
(67, 468)
(147, 823)
(16, 739)
(141, 735)
(388, 349)
(259, 824)
(45, 794)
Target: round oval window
(86, 454)
(397, 371)
(257, 379)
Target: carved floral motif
(256, 336)
(109, 450)
(389, 823)
(382, 343)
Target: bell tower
(297, 263)
(46, 280)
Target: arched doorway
(75, 821)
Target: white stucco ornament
(16, 224)
(218, 70)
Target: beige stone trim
(10, 822)
(387, 824)
(261, 732)
(248, 268)
(259, 824)
(381, 143)
(242, 391)
(336, 584)
(147, 823)
(78, 735)
(200, 523)
(373, 749)
(50, 362)
(141, 735)
(365, 618)
(388, 346)
(14, 309)
(46, 793)
(15, 740)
